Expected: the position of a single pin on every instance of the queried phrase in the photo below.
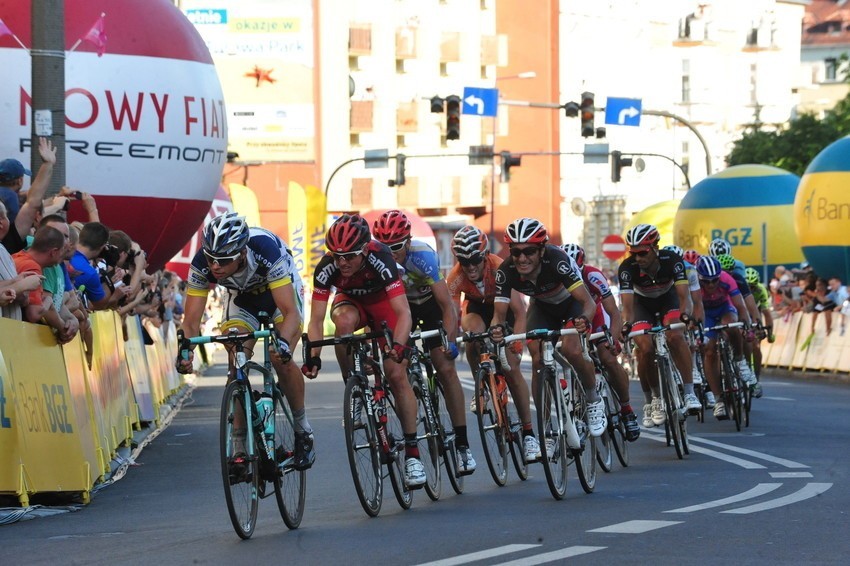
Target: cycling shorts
(485, 311)
(645, 309)
(427, 316)
(551, 316)
(714, 316)
(372, 314)
(243, 308)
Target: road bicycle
(562, 420)
(257, 434)
(498, 422)
(734, 390)
(695, 341)
(613, 440)
(373, 435)
(671, 387)
(433, 430)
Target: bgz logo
(736, 236)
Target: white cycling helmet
(719, 246)
(226, 235)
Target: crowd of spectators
(55, 273)
(802, 290)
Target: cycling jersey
(671, 271)
(268, 265)
(693, 277)
(761, 296)
(481, 291)
(377, 280)
(721, 294)
(596, 282)
(420, 270)
(557, 276)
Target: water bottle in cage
(265, 411)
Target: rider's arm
(616, 327)
(517, 305)
(316, 326)
(699, 310)
(686, 306)
(627, 303)
(444, 300)
(193, 311)
(750, 308)
(401, 332)
(588, 305)
(284, 300)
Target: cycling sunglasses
(527, 252)
(398, 246)
(468, 261)
(709, 281)
(347, 256)
(221, 261)
(642, 253)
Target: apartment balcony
(489, 50)
(450, 47)
(361, 193)
(362, 116)
(360, 39)
(408, 194)
(406, 43)
(407, 117)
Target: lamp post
(523, 75)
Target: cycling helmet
(226, 235)
(676, 250)
(526, 231)
(642, 235)
(349, 233)
(576, 252)
(469, 243)
(392, 227)
(752, 276)
(727, 262)
(708, 267)
(691, 256)
(719, 246)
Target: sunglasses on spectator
(347, 256)
(527, 252)
(221, 261)
(398, 246)
(642, 253)
(474, 260)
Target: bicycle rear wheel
(493, 441)
(447, 436)
(733, 389)
(361, 441)
(239, 469)
(587, 457)
(747, 403)
(604, 450)
(553, 438)
(290, 485)
(427, 437)
(395, 464)
(671, 407)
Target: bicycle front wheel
(290, 485)
(427, 437)
(550, 426)
(395, 438)
(492, 438)
(671, 407)
(361, 441)
(604, 449)
(447, 435)
(587, 457)
(239, 468)
(515, 441)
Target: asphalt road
(776, 493)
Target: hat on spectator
(12, 169)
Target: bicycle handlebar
(725, 326)
(657, 329)
(230, 337)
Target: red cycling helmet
(526, 231)
(392, 227)
(691, 256)
(349, 233)
(642, 235)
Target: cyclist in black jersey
(654, 282)
(559, 299)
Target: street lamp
(522, 75)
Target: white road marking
(553, 556)
(778, 475)
(635, 527)
(746, 464)
(757, 491)
(481, 555)
(753, 453)
(771, 398)
(809, 491)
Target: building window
(686, 81)
(830, 69)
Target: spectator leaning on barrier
(57, 284)
(23, 223)
(14, 286)
(46, 251)
(93, 239)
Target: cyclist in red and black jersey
(607, 315)
(653, 282)
(369, 291)
(559, 299)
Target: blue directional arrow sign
(623, 111)
(480, 101)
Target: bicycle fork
(573, 440)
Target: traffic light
(617, 164)
(453, 117)
(587, 111)
(437, 105)
(509, 161)
(571, 109)
(400, 179)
